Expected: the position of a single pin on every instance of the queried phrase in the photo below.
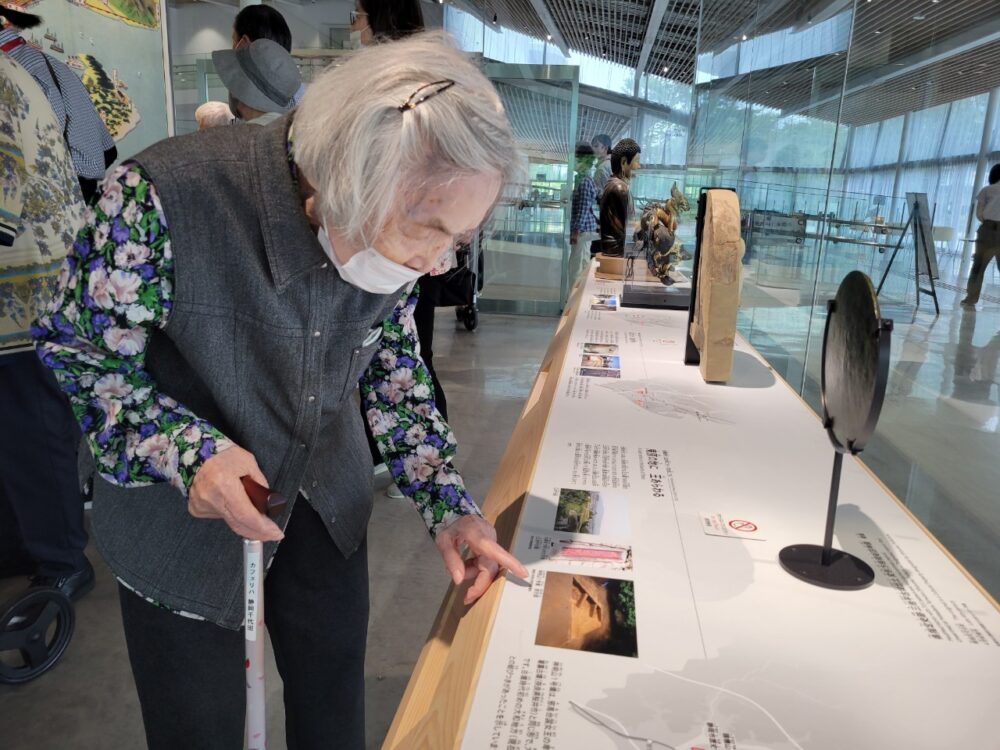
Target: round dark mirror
(855, 363)
(855, 370)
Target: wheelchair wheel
(35, 630)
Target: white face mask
(369, 270)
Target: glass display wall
(824, 118)
(526, 247)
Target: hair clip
(415, 98)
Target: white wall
(199, 28)
(309, 23)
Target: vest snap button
(311, 399)
(315, 483)
(303, 446)
(316, 334)
(324, 265)
(333, 519)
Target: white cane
(270, 503)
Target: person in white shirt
(987, 236)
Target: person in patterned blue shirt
(583, 223)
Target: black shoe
(74, 584)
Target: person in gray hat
(262, 79)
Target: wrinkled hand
(218, 493)
(487, 556)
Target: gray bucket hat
(262, 75)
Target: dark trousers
(423, 317)
(190, 677)
(41, 509)
(88, 187)
(987, 249)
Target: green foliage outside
(623, 601)
(575, 512)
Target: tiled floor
(88, 700)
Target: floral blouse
(117, 285)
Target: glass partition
(827, 138)
(526, 246)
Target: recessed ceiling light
(666, 69)
(744, 37)
(548, 37)
(878, 31)
(919, 17)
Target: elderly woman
(213, 322)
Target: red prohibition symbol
(746, 527)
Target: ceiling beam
(656, 14)
(542, 11)
(954, 46)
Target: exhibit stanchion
(855, 371)
(271, 504)
(923, 249)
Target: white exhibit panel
(657, 614)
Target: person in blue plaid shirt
(583, 224)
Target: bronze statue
(616, 201)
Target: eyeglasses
(355, 14)
(432, 89)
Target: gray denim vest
(266, 342)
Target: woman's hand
(217, 492)
(487, 556)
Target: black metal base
(844, 573)
(659, 297)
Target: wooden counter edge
(436, 704)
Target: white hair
(212, 115)
(365, 157)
